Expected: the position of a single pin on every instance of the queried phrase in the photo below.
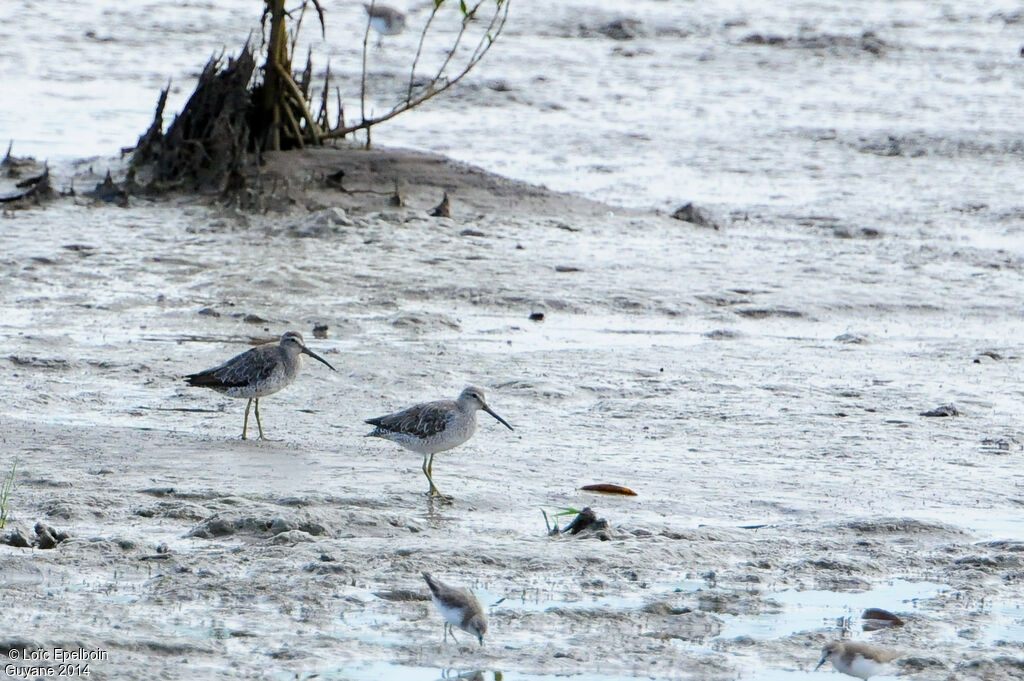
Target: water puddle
(823, 674)
(813, 609)
(541, 599)
(371, 671)
(982, 522)
(1007, 623)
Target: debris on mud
(605, 488)
(46, 538)
(586, 521)
(109, 191)
(16, 539)
(443, 209)
(695, 216)
(868, 41)
(35, 187)
(877, 618)
(942, 411)
(219, 526)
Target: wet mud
(762, 386)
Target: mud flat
(763, 386)
(761, 390)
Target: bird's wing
(252, 366)
(422, 420)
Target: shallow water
(814, 608)
(759, 386)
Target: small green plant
(563, 511)
(5, 492)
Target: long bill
(307, 351)
(500, 420)
(819, 664)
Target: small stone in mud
(209, 312)
(320, 331)
(47, 537)
(758, 39)
(695, 216)
(471, 232)
(17, 539)
(622, 29)
(335, 179)
(844, 232)
(764, 313)
(566, 268)
(158, 491)
(944, 410)
(536, 316)
(443, 209)
(876, 618)
(290, 537)
(253, 319)
(851, 338)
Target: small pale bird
(384, 20)
(857, 659)
(459, 607)
(433, 427)
(258, 372)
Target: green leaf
(565, 511)
(462, 6)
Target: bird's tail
(203, 379)
(431, 582)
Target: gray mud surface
(760, 386)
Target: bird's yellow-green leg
(258, 424)
(428, 467)
(245, 423)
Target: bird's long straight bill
(307, 351)
(503, 421)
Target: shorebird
(384, 20)
(258, 372)
(433, 427)
(459, 608)
(857, 659)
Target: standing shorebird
(434, 427)
(857, 659)
(384, 20)
(459, 607)
(258, 372)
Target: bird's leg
(245, 423)
(434, 491)
(258, 424)
(451, 629)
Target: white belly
(864, 668)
